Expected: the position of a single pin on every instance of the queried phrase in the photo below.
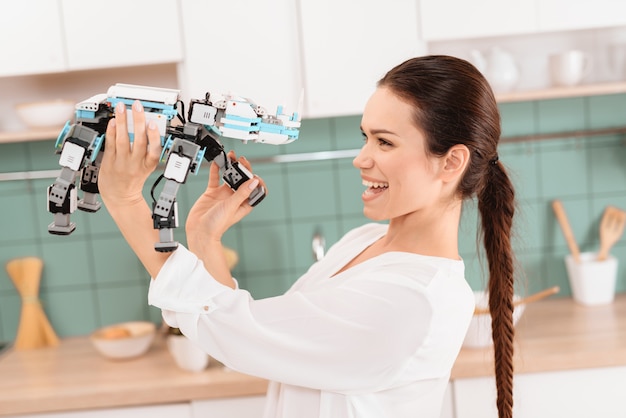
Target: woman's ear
(455, 162)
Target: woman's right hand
(126, 167)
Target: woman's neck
(426, 232)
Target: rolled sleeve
(184, 285)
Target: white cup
(479, 332)
(592, 281)
(187, 355)
(617, 61)
(569, 68)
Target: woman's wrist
(204, 245)
(122, 205)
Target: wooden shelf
(562, 92)
(31, 135)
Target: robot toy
(185, 141)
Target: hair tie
(494, 160)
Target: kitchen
(82, 289)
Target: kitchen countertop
(558, 334)
(74, 376)
(552, 335)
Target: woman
(373, 329)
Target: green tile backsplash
(91, 278)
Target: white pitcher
(499, 68)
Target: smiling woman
(458, 114)
(397, 287)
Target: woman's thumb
(245, 190)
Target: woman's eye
(381, 141)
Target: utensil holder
(592, 281)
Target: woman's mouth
(374, 188)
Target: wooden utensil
(34, 330)
(525, 300)
(611, 229)
(559, 211)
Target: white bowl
(187, 355)
(479, 332)
(47, 114)
(124, 340)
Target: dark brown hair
(454, 104)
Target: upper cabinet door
(459, 19)
(244, 47)
(31, 38)
(348, 46)
(116, 33)
(557, 15)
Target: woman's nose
(362, 160)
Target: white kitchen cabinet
(181, 410)
(348, 46)
(252, 407)
(120, 33)
(557, 15)
(30, 38)
(459, 19)
(246, 47)
(248, 407)
(579, 393)
(43, 36)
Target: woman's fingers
(241, 195)
(154, 144)
(122, 143)
(147, 139)
(244, 161)
(109, 139)
(140, 141)
(214, 175)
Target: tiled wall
(91, 278)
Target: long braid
(454, 104)
(496, 206)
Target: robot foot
(89, 207)
(166, 247)
(61, 229)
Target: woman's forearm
(135, 223)
(214, 260)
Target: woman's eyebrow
(380, 131)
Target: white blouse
(377, 340)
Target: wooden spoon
(611, 229)
(525, 300)
(559, 211)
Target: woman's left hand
(126, 167)
(219, 207)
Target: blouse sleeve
(353, 335)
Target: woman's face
(401, 179)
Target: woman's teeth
(374, 185)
